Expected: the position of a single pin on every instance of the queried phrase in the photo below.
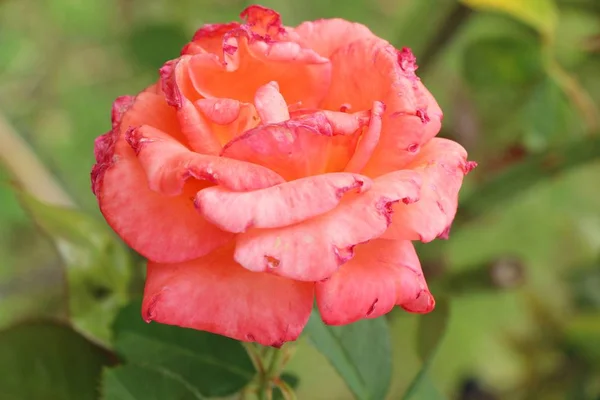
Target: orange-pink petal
(382, 274)
(325, 36)
(442, 165)
(168, 165)
(368, 141)
(370, 70)
(254, 54)
(217, 295)
(314, 249)
(295, 148)
(165, 229)
(277, 206)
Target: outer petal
(412, 116)
(442, 164)
(165, 229)
(325, 36)
(168, 165)
(277, 206)
(313, 250)
(382, 274)
(215, 294)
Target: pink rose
(270, 165)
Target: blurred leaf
(360, 352)
(425, 390)
(43, 360)
(546, 117)
(214, 365)
(153, 45)
(98, 268)
(541, 15)
(535, 168)
(493, 63)
(583, 333)
(134, 382)
(431, 330)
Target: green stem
(27, 169)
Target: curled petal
(217, 295)
(281, 205)
(294, 148)
(228, 118)
(442, 165)
(164, 229)
(168, 165)
(412, 116)
(270, 104)
(325, 36)
(382, 274)
(368, 141)
(314, 249)
(254, 54)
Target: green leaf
(135, 382)
(360, 352)
(502, 187)
(44, 360)
(547, 116)
(214, 365)
(583, 334)
(541, 15)
(432, 328)
(425, 390)
(153, 45)
(98, 268)
(494, 63)
(431, 331)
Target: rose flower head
(269, 165)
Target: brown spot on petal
(385, 208)
(272, 262)
(422, 114)
(372, 308)
(469, 166)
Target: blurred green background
(519, 82)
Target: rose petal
(368, 141)
(180, 94)
(382, 274)
(295, 148)
(314, 249)
(277, 206)
(168, 165)
(325, 36)
(165, 229)
(442, 164)
(256, 53)
(215, 294)
(412, 116)
(270, 104)
(228, 118)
